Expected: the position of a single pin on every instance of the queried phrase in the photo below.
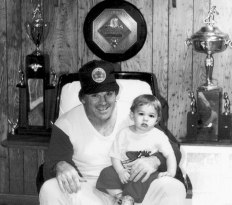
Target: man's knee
(49, 189)
(48, 185)
(169, 186)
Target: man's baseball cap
(97, 76)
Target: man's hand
(68, 177)
(143, 166)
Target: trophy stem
(209, 63)
(37, 52)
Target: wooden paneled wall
(178, 68)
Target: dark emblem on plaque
(115, 36)
(115, 31)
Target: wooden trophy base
(209, 111)
(191, 126)
(225, 128)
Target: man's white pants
(163, 191)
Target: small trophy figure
(227, 104)
(21, 75)
(54, 78)
(210, 18)
(192, 119)
(193, 107)
(13, 126)
(225, 123)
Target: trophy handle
(188, 42)
(28, 30)
(228, 42)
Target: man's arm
(163, 167)
(60, 149)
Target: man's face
(99, 106)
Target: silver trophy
(37, 30)
(209, 40)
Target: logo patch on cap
(98, 75)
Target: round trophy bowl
(37, 31)
(209, 40)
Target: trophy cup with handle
(209, 40)
(37, 30)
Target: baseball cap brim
(101, 88)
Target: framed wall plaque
(115, 30)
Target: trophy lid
(209, 39)
(210, 33)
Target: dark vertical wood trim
(16, 171)
(4, 175)
(30, 171)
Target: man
(80, 143)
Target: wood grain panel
(30, 171)
(201, 9)
(160, 44)
(84, 54)
(14, 45)
(3, 78)
(27, 44)
(142, 61)
(160, 51)
(61, 43)
(180, 66)
(16, 171)
(223, 60)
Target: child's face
(145, 118)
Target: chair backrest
(131, 85)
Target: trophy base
(208, 87)
(209, 110)
(191, 126)
(225, 128)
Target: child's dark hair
(147, 99)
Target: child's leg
(137, 190)
(109, 182)
(115, 193)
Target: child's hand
(164, 174)
(124, 176)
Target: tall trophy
(209, 40)
(35, 103)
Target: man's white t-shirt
(91, 149)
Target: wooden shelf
(26, 142)
(224, 143)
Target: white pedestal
(210, 171)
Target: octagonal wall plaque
(115, 31)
